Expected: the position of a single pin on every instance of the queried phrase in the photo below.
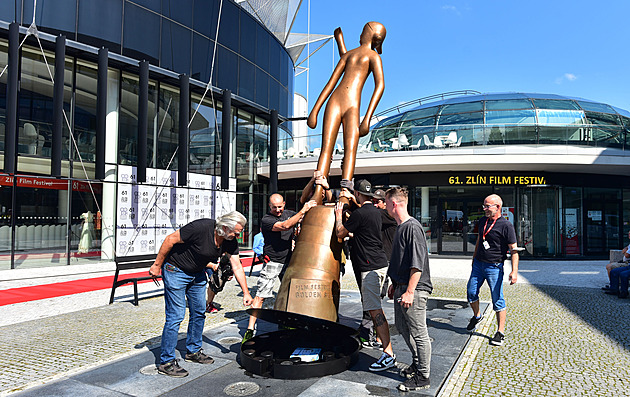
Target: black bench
(131, 262)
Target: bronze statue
(343, 107)
(311, 283)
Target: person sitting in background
(619, 282)
(258, 245)
(624, 261)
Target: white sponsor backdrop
(148, 212)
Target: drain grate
(229, 340)
(241, 389)
(149, 370)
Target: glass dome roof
(504, 118)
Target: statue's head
(374, 32)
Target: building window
(204, 139)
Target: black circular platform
(300, 321)
(270, 354)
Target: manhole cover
(453, 306)
(149, 370)
(241, 389)
(229, 340)
(441, 320)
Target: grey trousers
(411, 323)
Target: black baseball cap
(364, 187)
(379, 194)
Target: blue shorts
(491, 272)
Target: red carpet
(45, 291)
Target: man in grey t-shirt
(410, 289)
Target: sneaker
(200, 357)
(497, 340)
(386, 361)
(248, 335)
(416, 382)
(606, 287)
(369, 344)
(611, 292)
(409, 372)
(472, 324)
(211, 308)
(173, 369)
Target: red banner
(49, 183)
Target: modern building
(561, 165)
(121, 121)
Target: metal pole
(101, 112)
(143, 100)
(184, 115)
(57, 129)
(273, 155)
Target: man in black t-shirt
(411, 287)
(277, 229)
(368, 257)
(496, 237)
(182, 260)
(367, 336)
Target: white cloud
(566, 77)
(570, 76)
(451, 8)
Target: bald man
(277, 229)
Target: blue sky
(574, 48)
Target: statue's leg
(330, 129)
(350, 143)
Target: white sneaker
(386, 361)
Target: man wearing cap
(368, 256)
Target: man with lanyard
(496, 238)
(277, 229)
(182, 260)
(367, 254)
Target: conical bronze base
(310, 284)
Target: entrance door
(458, 227)
(601, 207)
(538, 225)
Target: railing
(392, 139)
(420, 101)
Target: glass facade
(60, 221)
(554, 214)
(499, 119)
(549, 221)
(250, 61)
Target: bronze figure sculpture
(308, 298)
(343, 107)
(316, 261)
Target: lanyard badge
(486, 230)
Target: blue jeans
(491, 272)
(180, 286)
(619, 279)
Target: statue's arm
(341, 45)
(334, 79)
(379, 88)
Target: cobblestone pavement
(560, 341)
